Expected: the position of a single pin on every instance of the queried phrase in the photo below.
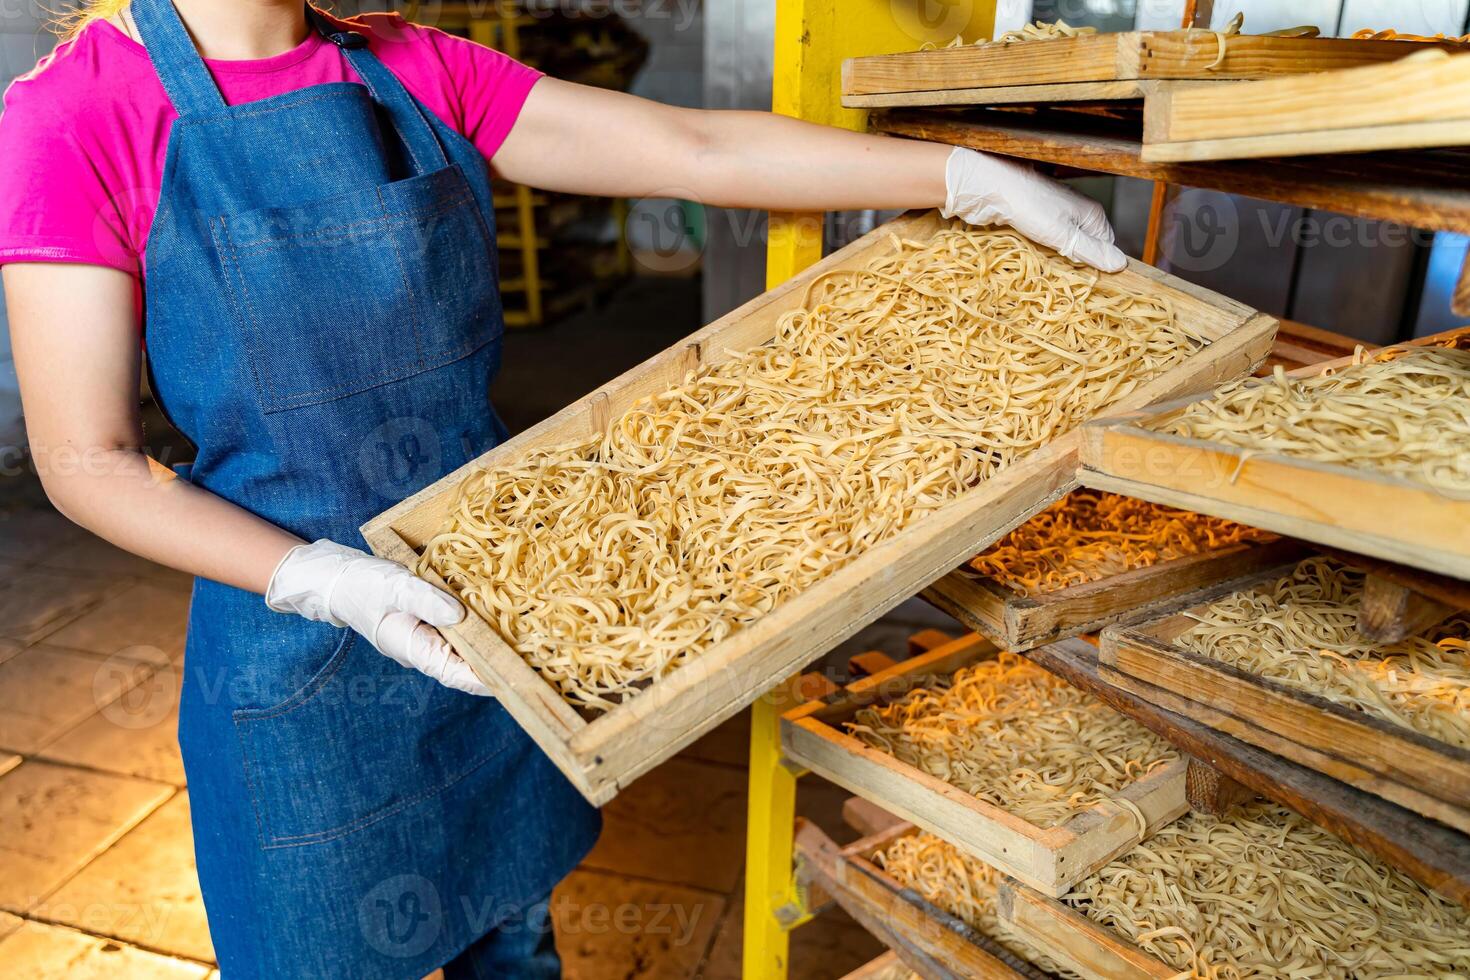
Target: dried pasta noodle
(892, 391)
(961, 885)
(1037, 31)
(1407, 414)
(1301, 631)
(1089, 535)
(1012, 734)
(1264, 892)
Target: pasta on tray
(1090, 535)
(1301, 631)
(1407, 414)
(1264, 892)
(891, 392)
(1016, 736)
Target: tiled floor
(96, 867)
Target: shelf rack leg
(773, 902)
(812, 39)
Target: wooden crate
(1420, 102)
(1097, 67)
(1020, 622)
(1362, 511)
(930, 941)
(1404, 766)
(604, 753)
(1075, 941)
(1050, 860)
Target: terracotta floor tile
(143, 890)
(39, 601)
(684, 822)
(9, 923)
(828, 947)
(44, 692)
(37, 951)
(143, 741)
(57, 819)
(36, 535)
(144, 615)
(9, 648)
(8, 761)
(612, 926)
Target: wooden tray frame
(1020, 622)
(1401, 765)
(1361, 511)
(1050, 860)
(1074, 940)
(930, 941)
(604, 754)
(1413, 104)
(1097, 67)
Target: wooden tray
(1362, 511)
(1417, 103)
(1020, 622)
(1050, 860)
(1074, 940)
(1095, 67)
(602, 754)
(1413, 770)
(883, 966)
(930, 941)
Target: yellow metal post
(812, 39)
(773, 905)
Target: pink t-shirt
(83, 135)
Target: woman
(294, 212)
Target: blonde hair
(69, 23)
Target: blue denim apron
(323, 321)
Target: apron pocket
(361, 289)
(361, 741)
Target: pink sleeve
(491, 88)
(54, 205)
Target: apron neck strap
(192, 90)
(423, 146)
(188, 82)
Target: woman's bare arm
(592, 141)
(75, 338)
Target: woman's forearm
(762, 160)
(589, 141)
(143, 507)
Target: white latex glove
(987, 190)
(330, 583)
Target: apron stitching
(257, 338)
(417, 325)
(355, 229)
(323, 836)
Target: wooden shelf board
(1414, 103)
(1426, 189)
(1433, 854)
